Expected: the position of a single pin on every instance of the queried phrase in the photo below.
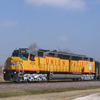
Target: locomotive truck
(43, 65)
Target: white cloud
(9, 24)
(67, 4)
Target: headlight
(14, 72)
(4, 72)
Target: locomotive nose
(9, 60)
(11, 63)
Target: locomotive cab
(22, 53)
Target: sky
(73, 25)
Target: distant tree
(33, 47)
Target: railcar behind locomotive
(43, 65)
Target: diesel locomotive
(43, 65)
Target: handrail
(20, 68)
(51, 71)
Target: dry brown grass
(1, 73)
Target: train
(43, 65)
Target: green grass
(11, 93)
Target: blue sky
(67, 24)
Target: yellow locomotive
(42, 65)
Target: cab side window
(32, 57)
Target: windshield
(20, 53)
(15, 53)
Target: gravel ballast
(47, 85)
